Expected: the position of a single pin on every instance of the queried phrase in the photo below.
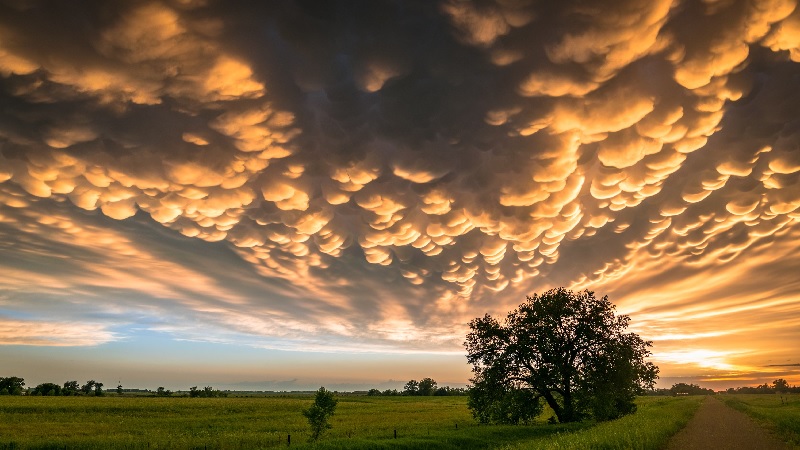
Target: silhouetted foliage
(49, 389)
(11, 385)
(426, 386)
(447, 390)
(689, 389)
(119, 389)
(206, 392)
(566, 348)
(161, 392)
(71, 388)
(780, 385)
(88, 388)
(318, 414)
(411, 388)
(494, 401)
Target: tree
(411, 388)
(426, 386)
(689, 389)
(161, 392)
(780, 385)
(11, 385)
(566, 348)
(318, 414)
(98, 389)
(71, 388)
(47, 389)
(207, 391)
(88, 387)
(119, 389)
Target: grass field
(780, 414)
(266, 422)
(657, 420)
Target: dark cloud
(392, 169)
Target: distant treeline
(779, 386)
(683, 389)
(424, 387)
(16, 386)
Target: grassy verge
(655, 422)
(359, 422)
(778, 413)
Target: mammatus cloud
(402, 166)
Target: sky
(288, 194)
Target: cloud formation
(401, 167)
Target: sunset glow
(291, 194)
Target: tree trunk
(565, 413)
(551, 401)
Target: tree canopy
(11, 385)
(566, 348)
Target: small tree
(780, 385)
(71, 388)
(411, 388)
(319, 413)
(88, 387)
(119, 389)
(161, 392)
(426, 386)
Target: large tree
(566, 348)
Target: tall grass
(267, 422)
(776, 412)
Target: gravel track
(719, 427)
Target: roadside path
(719, 427)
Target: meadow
(778, 413)
(267, 422)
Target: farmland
(778, 413)
(267, 422)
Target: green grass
(265, 422)
(778, 413)
(655, 422)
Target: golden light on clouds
(399, 183)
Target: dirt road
(719, 427)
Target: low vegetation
(268, 422)
(779, 412)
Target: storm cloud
(374, 174)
